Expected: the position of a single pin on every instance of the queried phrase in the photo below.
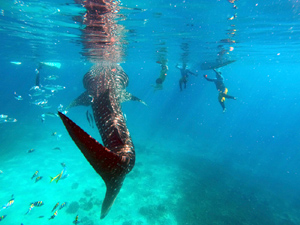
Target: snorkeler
(219, 82)
(163, 73)
(184, 75)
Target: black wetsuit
(219, 82)
(184, 76)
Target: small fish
(2, 217)
(51, 114)
(63, 164)
(48, 95)
(57, 148)
(40, 102)
(38, 178)
(232, 17)
(46, 106)
(3, 116)
(228, 40)
(62, 205)
(30, 208)
(43, 118)
(89, 118)
(10, 203)
(18, 97)
(54, 88)
(35, 174)
(62, 175)
(51, 77)
(92, 121)
(60, 107)
(56, 205)
(5, 119)
(16, 63)
(37, 204)
(58, 136)
(36, 91)
(35, 88)
(41, 217)
(31, 150)
(11, 120)
(53, 216)
(52, 64)
(76, 221)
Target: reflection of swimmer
(184, 75)
(37, 76)
(163, 73)
(221, 52)
(219, 82)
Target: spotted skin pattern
(105, 84)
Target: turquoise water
(194, 163)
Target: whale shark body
(105, 87)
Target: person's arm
(192, 73)
(208, 79)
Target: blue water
(194, 163)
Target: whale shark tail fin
(105, 162)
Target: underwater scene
(182, 112)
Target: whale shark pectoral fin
(84, 99)
(105, 162)
(134, 98)
(126, 96)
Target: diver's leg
(180, 84)
(37, 78)
(223, 106)
(229, 96)
(221, 100)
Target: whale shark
(105, 85)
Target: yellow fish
(63, 174)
